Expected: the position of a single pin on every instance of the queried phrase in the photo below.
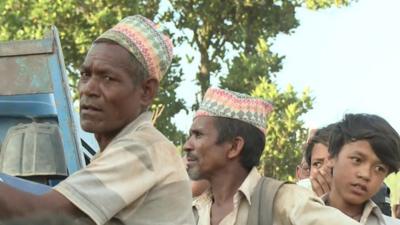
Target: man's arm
(15, 203)
(296, 205)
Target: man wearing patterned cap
(226, 140)
(137, 177)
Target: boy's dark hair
(254, 139)
(321, 136)
(384, 140)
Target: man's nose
(187, 147)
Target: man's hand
(321, 182)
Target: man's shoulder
(147, 134)
(294, 189)
(291, 194)
(295, 203)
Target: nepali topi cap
(229, 104)
(141, 37)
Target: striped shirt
(138, 179)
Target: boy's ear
(236, 148)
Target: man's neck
(104, 140)
(226, 184)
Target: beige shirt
(138, 179)
(293, 205)
(372, 215)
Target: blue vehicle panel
(34, 89)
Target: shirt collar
(248, 185)
(369, 208)
(144, 117)
(203, 199)
(246, 188)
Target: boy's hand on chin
(321, 183)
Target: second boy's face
(357, 173)
(319, 157)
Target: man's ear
(237, 147)
(149, 90)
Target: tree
(285, 131)
(322, 4)
(222, 26)
(233, 39)
(246, 70)
(79, 23)
(235, 26)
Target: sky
(348, 57)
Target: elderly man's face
(204, 156)
(109, 99)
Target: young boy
(317, 155)
(363, 150)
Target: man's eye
(83, 74)
(197, 134)
(108, 78)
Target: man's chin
(194, 174)
(89, 127)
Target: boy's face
(319, 157)
(357, 173)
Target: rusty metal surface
(27, 47)
(28, 74)
(37, 68)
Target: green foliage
(79, 23)
(222, 26)
(172, 104)
(247, 69)
(285, 130)
(393, 182)
(231, 36)
(322, 4)
(236, 35)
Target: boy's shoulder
(391, 220)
